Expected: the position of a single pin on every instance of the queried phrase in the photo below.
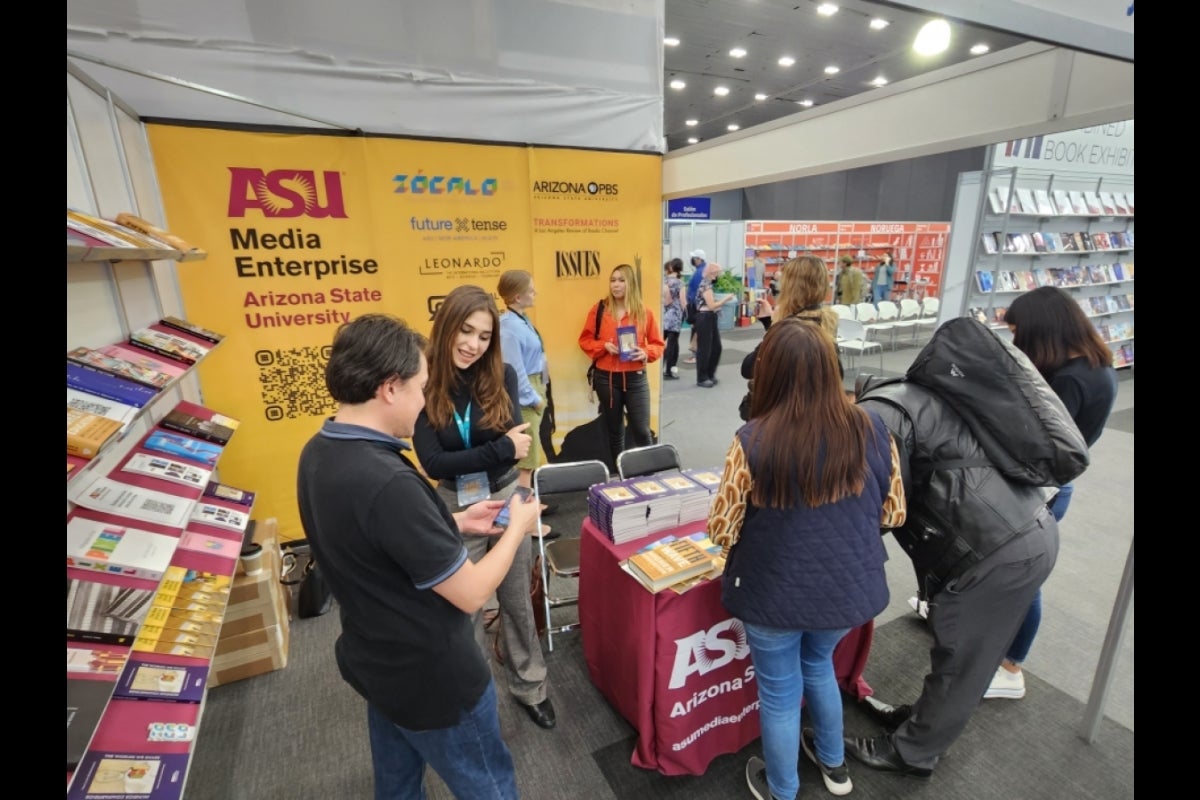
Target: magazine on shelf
(101, 611)
(156, 680)
(195, 330)
(118, 549)
(96, 382)
(1053, 242)
(119, 367)
(86, 700)
(146, 359)
(185, 447)
(995, 201)
(121, 412)
(984, 280)
(1038, 241)
(1045, 206)
(135, 502)
(1079, 203)
(221, 516)
(1094, 206)
(1129, 202)
(1027, 201)
(93, 659)
(168, 469)
(1108, 203)
(110, 775)
(989, 243)
(1062, 202)
(87, 432)
(1006, 281)
(168, 344)
(216, 428)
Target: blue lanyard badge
(473, 487)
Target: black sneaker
(756, 778)
(837, 779)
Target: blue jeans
(470, 757)
(880, 293)
(1018, 651)
(790, 665)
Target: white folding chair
(647, 460)
(928, 321)
(868, 315)
(560, 558)
(843, 311)
(852, 342)
(910, 312)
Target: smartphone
(519, 495)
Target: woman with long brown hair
(620, 379)
(469, 438)
(808, 483)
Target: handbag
(744, 406)
(309, 594)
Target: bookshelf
(918, 250)
(1023, 229)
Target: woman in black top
(469, 438)
(1050, 327)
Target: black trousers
(708, 346)
(671, 353)
(624, 395)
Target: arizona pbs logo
(286, 193)
(582, 190)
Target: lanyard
(530, 324)
(464, 425)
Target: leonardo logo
(704, 651)
(441, 184)
(285, 193)
(579, 189)
(464, 265)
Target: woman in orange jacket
(619, 379)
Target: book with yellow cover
(670, 563)
(88, 432)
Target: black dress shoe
(879, 753)
(542, 714)
(549, 509)
(886, 714)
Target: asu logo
(704, 651)
(284, 193)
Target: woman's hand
(520, 439)
(612, 348)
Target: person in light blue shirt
(522, 349)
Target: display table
(677, 667)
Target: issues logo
(284, 193)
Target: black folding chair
(647, 460)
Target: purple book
(125, 776)
(154, 680)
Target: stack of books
(673, 561)
(617, 511)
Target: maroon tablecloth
(677, 667)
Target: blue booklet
(185, 447)
(110, 387)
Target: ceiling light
(760, 96)
(691, 122)
(738, 52)
(671, 41)
(733, 126)
(979, 49)
(832, 70)
(786, 61)
(721, 91)
(933, 38)
(805, 102)
(677, 84)
(880, 81)
(692, 140)
(879, 23)
(827, 9)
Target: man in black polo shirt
(392, 555)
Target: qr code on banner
(293, 382)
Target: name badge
(472, 488)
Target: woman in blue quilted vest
(808, 484)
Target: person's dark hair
(1051, 329)
(806, 435)
(675, 266)
(485, 376)
(368, 351)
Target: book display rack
(147, 582)
(918, 249)
(1030, 228)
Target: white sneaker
(919, 606)
(1006, 685)
(675, 371)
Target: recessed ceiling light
(692, 140)
(786, 61)
(721, 91)
(880, 81)
(805, 102)
(671, 41)
(979, 49)
(691, 122)
(738, 52)
(760, 96)
(878, 23)
(933, 38)
(832, 70)
(733, 126)
(827, 9)
(677, 84)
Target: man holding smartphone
(394, 559)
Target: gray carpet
(300, 733)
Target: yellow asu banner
(306, 231)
